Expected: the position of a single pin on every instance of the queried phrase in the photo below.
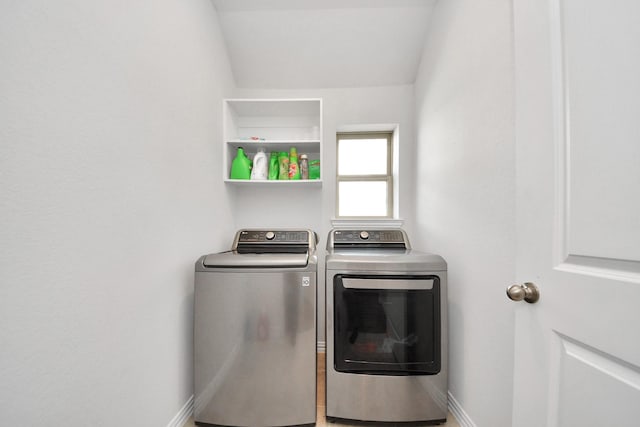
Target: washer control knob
(364, 235)
(270, 235)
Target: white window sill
(367, 222)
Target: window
(365, 175)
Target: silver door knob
(527, 291)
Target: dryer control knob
(364, 235)
(270, 235)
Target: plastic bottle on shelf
(294, 169)
(283, 163)
(304, 166)
(314, 169)
(241, 166)
(274, 168)
(260, 169)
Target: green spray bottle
(241, 166)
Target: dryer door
(387, 325)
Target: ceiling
(296, 44)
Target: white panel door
(577, 355)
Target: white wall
(110, 190)
(466, 194)
(313, 207)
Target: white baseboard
(461, 416)
(321, 347)
(182, 417)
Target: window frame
(388, 177)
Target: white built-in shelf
(279, 124)
(303, 146)
(310, 182)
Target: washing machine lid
(266, 248)
(256, 260)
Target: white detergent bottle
(260, 169)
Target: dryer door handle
(401, 284)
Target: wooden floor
(321, 421)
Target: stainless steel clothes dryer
(386, 331)
(255, 331)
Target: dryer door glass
(387, 325)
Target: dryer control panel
(369, 238)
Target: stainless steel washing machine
(255, 331)
(386, 319)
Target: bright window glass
(364, 177)
(362, 198)
(362, 157)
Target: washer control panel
(274, 241)
(273, 236)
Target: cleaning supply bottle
(241, 166)
(304, 166)
(260, 169)
(283, 163)
(314, 169)
(294, 169)
(274, 168)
